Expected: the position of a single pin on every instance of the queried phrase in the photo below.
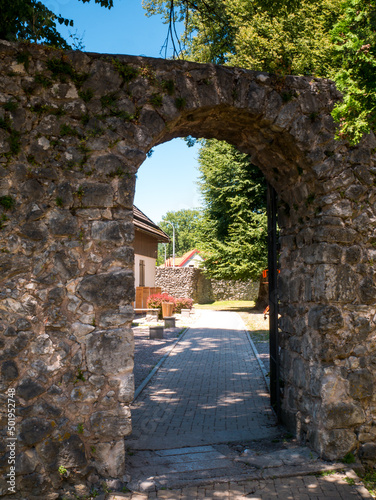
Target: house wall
(196, 261)
(149, 270)
(145, 245)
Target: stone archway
(74, 128)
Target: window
(142, 273)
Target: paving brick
(202, 386)
(210, 390)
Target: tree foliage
(31, 20)
(187, 227)
(234, 227)
(354, 36)
(325, 38)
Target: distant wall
(192, 283)
(234, 290)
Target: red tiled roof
(180, 261)
(146, 225)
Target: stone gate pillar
(67, 349)
(66, 264)
(328, 295)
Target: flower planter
(167, 309)
(155, 332)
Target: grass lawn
(252, 317)
(228, 305)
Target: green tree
(234, 226)
(31, 20)
(354, 36)
(187, 227)
(325, 38)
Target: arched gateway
(74, 128)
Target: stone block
(26, 462)
(29, 389)
(342, 415)
(367, 291)
(126, 388)
(322, 253)
(36, 231)
(65, 265)
(299, 373)
(155, 332)
(325, 318)
(72, 453)
(368, 452)
(97, 195)
(169, 322)
(335, 444)
(109, 165)
(334, 283)
(109, 351)
(353, 254)
(108, 289)
(361, 384)
(115, 318)
(106, 231)
(110, 458)
(125, 191)
(62, 223)
(333, 388)
(333, 234)
(9, 371)
(111, 423)
(33, 430)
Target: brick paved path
(209, 390)
(332, 487)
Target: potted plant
(157, 301)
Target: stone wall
(184, 282)
(192, 283)
(74, 129)
(234, 290)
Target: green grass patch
(369, 480)
(228, 305)
(325, 473)
(349, 458)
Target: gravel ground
(148, 352)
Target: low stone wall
(235, 290)
(184, 282)
(192, 283)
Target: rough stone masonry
(74, 129)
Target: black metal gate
(273, 300)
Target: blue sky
(167, 180)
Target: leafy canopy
(325, 38)
(187, 223)
(354, 37)
(31, 20)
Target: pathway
(209, 390)
(203, 428)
